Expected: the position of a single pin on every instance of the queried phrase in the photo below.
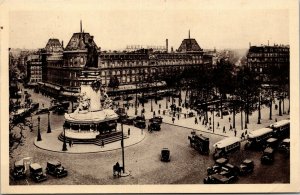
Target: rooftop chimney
(80, 26)
(189, 34)
(172, 49)
(167, 46)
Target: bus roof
(226, 142)
(35, 166)
(287, 140)
(259, 132)
(280, 123)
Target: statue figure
(92, 54)
(107, 102)
(84, 102)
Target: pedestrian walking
(224, 129)
(159, 105)
(200, 118)
(218, 125)
(229, 119)
(196, 121)
(246, 132)
(230, 127)
(159, 112)
(128, 131)
(235, 132)
(173, 119)
(178, 115)
(102, 143)
(184, 115)
(70, 143)
(275, 119)
(242, 136)
(154, 113)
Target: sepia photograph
(149, 96)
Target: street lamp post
(136, 111)
(259, 114)
(39, 137)
(122, 145)
(49, 127)
(64, 144)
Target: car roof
(272, 139)
(287, 140)
(19, 163)
(247, 161)
(226, 142)
(54, 162)
(221, 160)
(35, 166)
(269, 150)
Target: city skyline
(116, 27)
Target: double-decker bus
(200, 143)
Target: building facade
(264, 59)
(62, 66)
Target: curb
(197, 129)
(88, 152)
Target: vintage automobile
(272, 143)
(139, 122)
(165, 155)
(43, 111)
(246, 167)
(231, 169)
(36, 173)
(154, 126)
(59, 110)
(219, 179)
(19, 170)
(268, 156)
(284, 146)
(55, 168)
(217, 167)
(158, 119)
(128, 120)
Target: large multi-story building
(62, 66)
(264, 59)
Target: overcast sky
(116, 25)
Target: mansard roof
(189, 45)
(77, 41)
(53, 45)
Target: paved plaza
(91, 164)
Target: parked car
(19, 170)
(284, 146)
(158, 119)
(219, 179)
(42, 111)
(268, 156)
(231, 169)
(217, 167)
(59, 110)
(165, 155)
(36, 172)
(272, 143)
(154, 126)
(246, 167)
(128, 120)
(55, 168)
(139, 122)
